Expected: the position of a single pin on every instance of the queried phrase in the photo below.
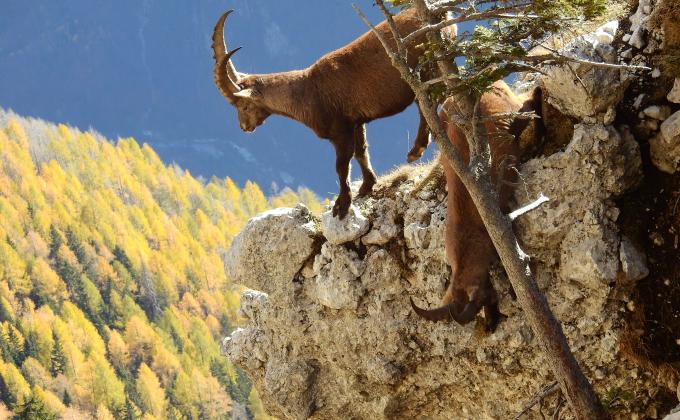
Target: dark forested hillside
(112, 293)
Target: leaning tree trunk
(575, 386)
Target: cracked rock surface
(329, 332)
(339, 340)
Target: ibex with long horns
(469, 249)
(334, 97)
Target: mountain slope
(112, 292)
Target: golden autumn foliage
(113, 297)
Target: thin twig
(558, 409)
(488, 14)
(393, 27)
(440, 79)
(560, 58)
(546, 391)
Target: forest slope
(112, 291)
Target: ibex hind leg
(364, 160)
(421, 142)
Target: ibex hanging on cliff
(334, 97)
(469, 249)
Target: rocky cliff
(329, 331)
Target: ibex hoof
(366, 188)
(492, 317)
(414, 155)
(341, 207)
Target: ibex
(469, 249)
(334, 97)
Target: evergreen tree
(33, 409)
(75, 245)
(57, 358)
(55, 241)
(16, 347)
(31, 345)
(128, 412)
(120, 255)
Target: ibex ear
(245, 93)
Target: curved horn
(450, 311)
(225, 74)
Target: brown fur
(334, 97)
(469, 249)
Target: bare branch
(440, 79)
(487, 14)
(531, 206)
(393, 27)
(546, 391)
(559, 58)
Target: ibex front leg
(361, 155)
(344, 150)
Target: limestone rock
(665, 147)
(581, 90)
(605, 33)
(674, 414)
(658, 112)
(271, 248)
(674, 94)
(384, 227)
(589, 252)
(637, 24)
(350, 228)
(337, 284)
(633, 262)
(599, 163)
(670, 128)
(342, 341)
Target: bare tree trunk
(548, 331)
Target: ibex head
(241, 90)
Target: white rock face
(665, 147)
(595, 90)
(337, 281)
(674, 94)
(350, 228)
(658, 112)
(605, 33)
(343, 342)
(637, 24)
(385, 227)
(272, 247)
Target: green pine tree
(55, 241)
(33, 409)
(57, 357)
(16, 348)
(75, 245)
